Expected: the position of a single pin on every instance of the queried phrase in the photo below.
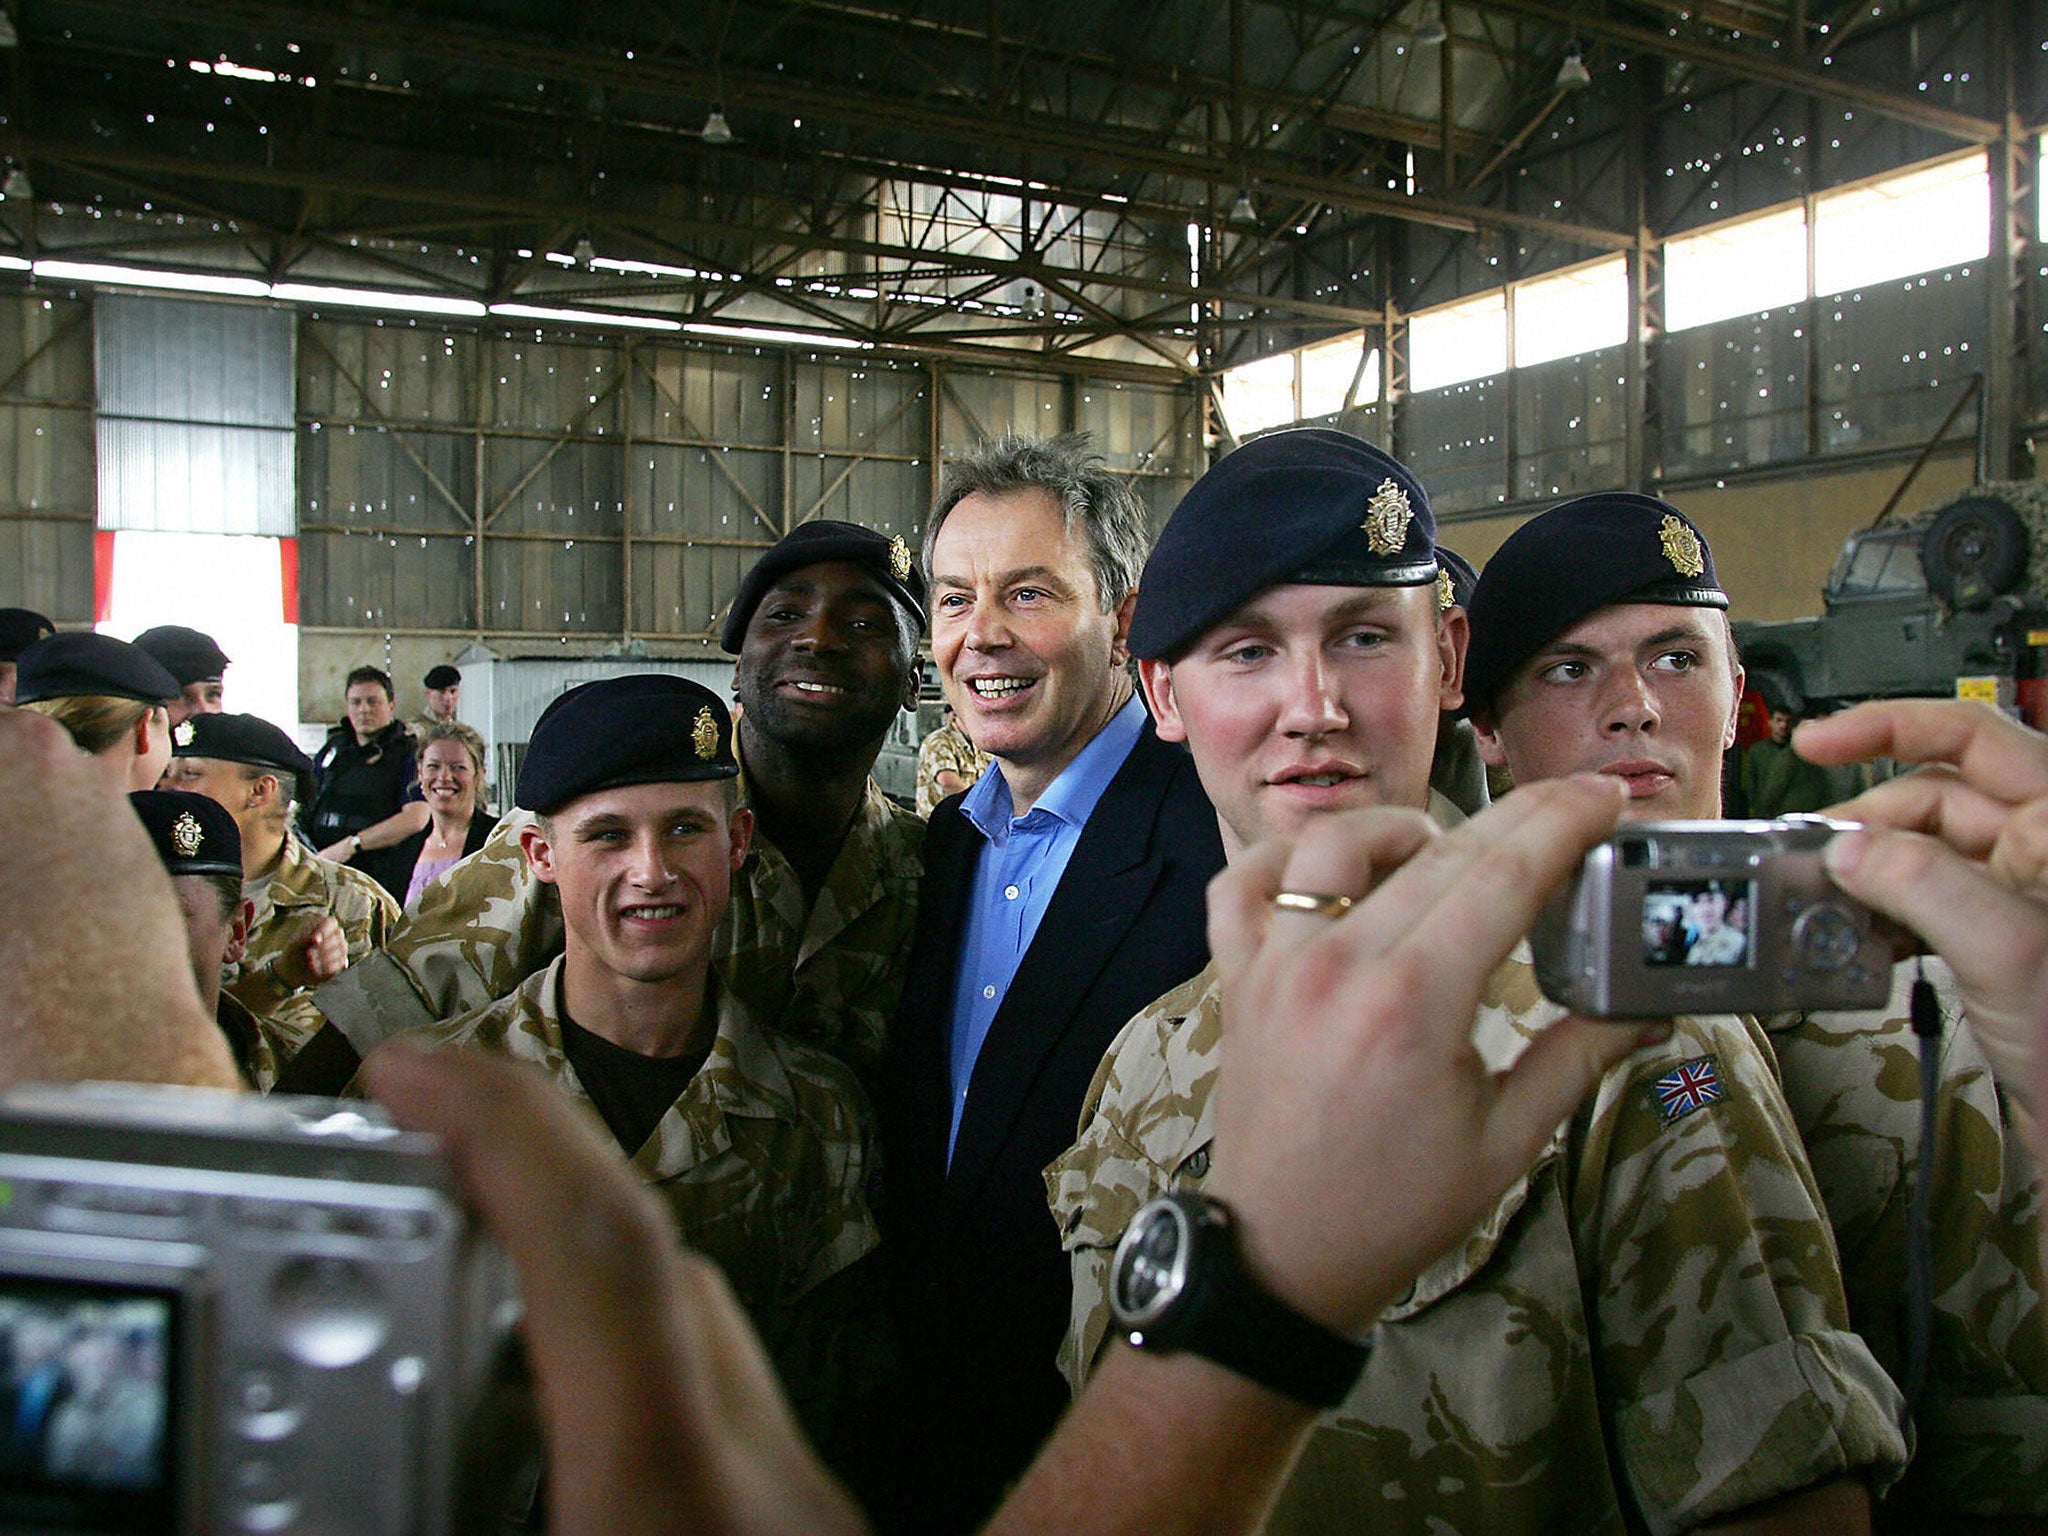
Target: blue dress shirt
(1014, 879)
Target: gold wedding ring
(1312, 901)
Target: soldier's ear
(742, 836)
(536, 841)
(238, 933)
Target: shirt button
(988, 991)
(1010, 891)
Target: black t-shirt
(631, 1091)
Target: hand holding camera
(1712, 917)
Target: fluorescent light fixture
(584, 317)
(246, 72)
(13, 264)
(375, 298)
(647, 268)
(775, 334)
(154, 277)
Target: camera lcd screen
(86, 1393)
(1697, 922)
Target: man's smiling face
(827, 660)
(1030, 662)
(644, 872)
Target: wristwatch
(1179, 1282)
(355, 843)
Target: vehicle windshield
(1879, 564)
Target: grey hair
(1064, 467)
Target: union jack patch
(1684, 1089)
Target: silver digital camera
(226, 1313)
(1670, 917)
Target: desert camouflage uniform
(1852, 1081)
(488, 924)
(766, 1159)
(945, 749)
(1692, 1253)
(304, 886)
(255, 1057)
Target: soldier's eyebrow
(1692, 632)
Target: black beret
(1577, 558)
(646, 728)
(194, 834)
(187, 655)
(1310, 505)
(21, 628)
(1455, 587)
(443, 676)
(244, 739)
(81, 664)
(887, 558)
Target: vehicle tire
(1973, 551)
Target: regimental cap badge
(186, 835)
(899, 558)
(1681, 546)
(1387, 517)
(1446, 594)
(704, 734)
(183, 737)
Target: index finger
(1993, 753)
(1482, 886)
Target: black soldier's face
(824, 664)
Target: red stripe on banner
(102, 575)
(288, 570)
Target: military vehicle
(1915, 604)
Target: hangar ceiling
(1156, 187)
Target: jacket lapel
(1106, 885)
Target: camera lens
(1826, 937)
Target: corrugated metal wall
(523, 486)
(195, 416)
(46, 456)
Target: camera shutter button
(329, 1313)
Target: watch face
(1151, 1264)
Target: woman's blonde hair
(455, 730)
(95, 721)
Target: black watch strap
(1226, 1315)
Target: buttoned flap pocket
(1475, 1250)
(1096, 1186)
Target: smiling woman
(451, 773)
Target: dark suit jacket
(982, 1279)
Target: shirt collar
(1071, 797)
